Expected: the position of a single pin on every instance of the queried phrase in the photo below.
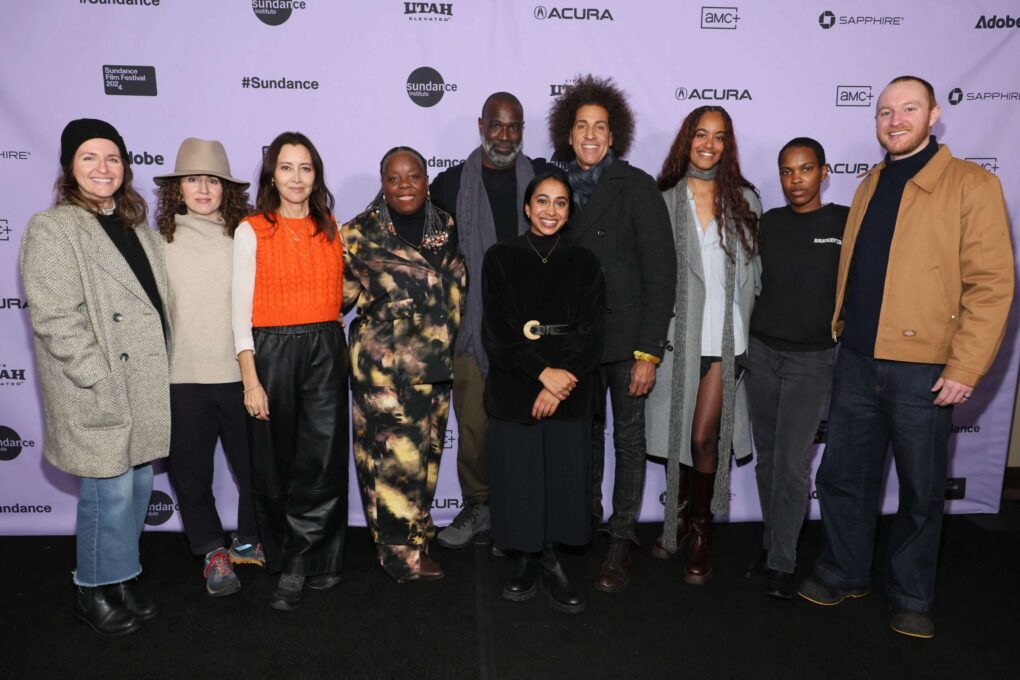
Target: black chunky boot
(525, 580)
(554, 582)
(128, 595)
(99, 608)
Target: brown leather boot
(614, 575)
(683, 519)
(698, 568)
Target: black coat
(516, 288)
(626, 224)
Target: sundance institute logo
(426, 87)
(161, 508)
(275, 12)
(11, 443)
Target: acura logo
(541, 12)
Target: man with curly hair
(620, 216)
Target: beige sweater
(198, 264)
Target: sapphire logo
(11, 377)
(998, 22)
(724, 18)
(711, 94)
(572, 13)
(957, 96)
(5, 231)
(11, 443)
(426, 87)
(990, 164)
(161, 508)
(137, 81)
(428, 11)
(15, 154)
(853, 95)
(829, 19)
(275, 12)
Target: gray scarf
(477, 232)
(720, 498)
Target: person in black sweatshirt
(792, 352)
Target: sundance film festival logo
(426, 87)
(989, 163)
(5, 230)
(137, 81)
(275, 12)
(11, 443)
(711, 94)
(11, 376)
(995, 21)
(122, 3)
(428, 11)
(573, 13)
(161, 508)
(958, 96)
(720, 18)
(828, 19)
(853, 95)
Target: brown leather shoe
(429, 569)
(615, 573)
(683, 520)
(698, 568)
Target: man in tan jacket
(924, 288)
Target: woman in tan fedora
(200, 206)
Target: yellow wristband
(645, 356)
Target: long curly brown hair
(730, 204)
(320, 202)
(170, 203)
(130, 206)
(590, 90)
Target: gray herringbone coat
(102, 360)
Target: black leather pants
(299, 456)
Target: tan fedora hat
(201, 157)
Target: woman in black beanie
(95, 281)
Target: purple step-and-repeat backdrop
(361, 76)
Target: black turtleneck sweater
(130, 247)
(412, 227)
(866, 281)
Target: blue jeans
(875, 403)
(111, 516)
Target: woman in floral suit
(403, 272)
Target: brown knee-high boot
(683, 514)
(699, 558)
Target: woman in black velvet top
(543, 323)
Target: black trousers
(199, 415)
(299, 455)
(540, 476)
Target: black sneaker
(816, 591)
(912, 624)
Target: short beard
(500, 160)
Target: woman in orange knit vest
(286, 298)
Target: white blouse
(242, 288)
(713, 264)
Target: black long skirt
(540, 486)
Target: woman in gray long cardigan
(697, 413)
(95, 281)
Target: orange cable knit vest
(296, 282)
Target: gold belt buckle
(529, 330)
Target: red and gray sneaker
(246, 553)
(220, 579)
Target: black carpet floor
(460, 627)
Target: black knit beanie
(79, 131)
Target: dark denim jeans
(629, 445)
(788, 392)
(875, 403)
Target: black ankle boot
(99, 609)
(525, 580)
(128, 595)
(554, 582)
